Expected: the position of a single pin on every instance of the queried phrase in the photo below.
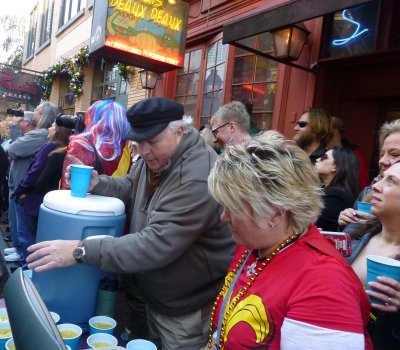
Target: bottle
(107, 297)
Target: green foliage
(72, 69)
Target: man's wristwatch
(79, 252)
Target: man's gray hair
(49, 113)
(268, 174)
(234, 111)
(186, 123)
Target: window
(200, 85)
(69, 9)
(32, 33)
(107, 83)
(214, 81)
(47, 19)
(254, 79)
(188, 81)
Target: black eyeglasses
(215, 131)
(323, 157)
(302, 123)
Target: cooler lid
(91, 205)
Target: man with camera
(34, 128)
(178, 249)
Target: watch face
(78, 253)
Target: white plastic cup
(140, 344)
(55, 316)
(80, 179)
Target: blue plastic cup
(71, 334)
(80, 179)
(140, 344)
(5, 334)
(364, 207)
(102, 324)
(99, 340)
(381, 266)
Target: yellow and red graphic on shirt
(250, 310)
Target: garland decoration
(72, 69)
(125, 71)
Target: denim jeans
(26, 230)
(12, 221)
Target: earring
(271, 225)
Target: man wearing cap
(178, 251)
(34, 128)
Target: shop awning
(292, 12)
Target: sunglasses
(215, 131)
(323, 157)
(302, 123)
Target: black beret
(151, 116)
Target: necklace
(253, 273)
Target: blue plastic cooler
(72, 291)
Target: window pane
(181, 85)
(74, 7)
(219, 78)
(186, 63)
(221, 56)
(263, 97)
(209, 82)
(193, 83)
(207, 103)
(243, 69)
(195, 60)
(109, 91)
(211, 56)
(216, 101)
(266, 70)
(67, 11)
(240, 92)
(249, 42)
(261, 121)
(190, 105)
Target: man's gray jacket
(22, 152)
(178, 248)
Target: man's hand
(51, 254)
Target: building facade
(348, 64)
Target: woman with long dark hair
(338, 170)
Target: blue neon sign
(357, 32)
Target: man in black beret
(178, 249)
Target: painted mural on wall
(154, 30)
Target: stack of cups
(101, 330)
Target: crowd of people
(223, 248)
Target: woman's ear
(333, 168)
(277, 218)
